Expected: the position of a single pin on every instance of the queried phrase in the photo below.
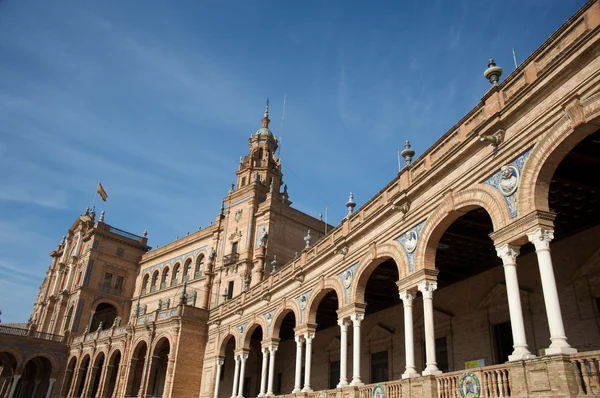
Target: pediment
(497, 297)
(379, 332)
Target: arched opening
(8, 367)
(325, 362)
(164, 281)
(136, 370)
(112, 374)
(158, 371)
(227, 370)
(145, 283)
(283, 328)
(68, 381)
(154, 284)
(252, 374)
(187, 269)
(97, 370)
(82, 376)
(104, 316)
(199, 266)
(175, 276)
(35, 379)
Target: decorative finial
(93, 213)
(307, 239)
(63, 240)
(407, 153)
(320, 216)
(285, 192)
(100, 326)
(231, 188)
(350, 204)
(114, 325)
(101, 219)
(222, 209)
(264, 237)
(145, 233)
(211, 255)
(274, 264)
(87, 211)
(493, 72)
(265, 120)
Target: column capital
(308, 336)
(508, 254)
(264, 350)
(541, 238)
(273, 349)
(299, 339)
(427, 288)
(407, 297)
(343, 322)
(220, 361)
(357, 318)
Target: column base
(431, 372)
(240, 396)
(566, 350)
(262, 394)
(306, 389)
(342, 384)
(357, 382)
(296, 390)
(520, 356)
(410, 374)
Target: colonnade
(8, 386)
(541, 239)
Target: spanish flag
(101, 192)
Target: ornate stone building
(474, 272)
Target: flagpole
(95, 192)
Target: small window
(379, 367)
(243, 181)
(234, 248)
(260, 153)
(230, 290)
(199, 267)
(187, 267)
(107, 279)
(119, 283)
(145, 282)
(95, 244)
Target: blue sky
(157, 99)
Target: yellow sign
(476, 363)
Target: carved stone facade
(472, 273)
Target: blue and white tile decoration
(402, 240)
(346, 277)
(494, 181)
(269, 321)
(240, 330)
(300, 300)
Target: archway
(97, 370)
(158, 371)
(8, 367)
(324, 361)
(252, 376)
(112, 374)
(227, 371)
(104, 315)
(82, 376)
(35, 379)
(136, 369)
(68, 379)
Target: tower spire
(265, 119)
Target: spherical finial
(274, 264)
(493, 72)
(307, 239)
(350, 204)
(407, 153)
(101, 219)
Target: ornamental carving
(509, 180)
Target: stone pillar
(91, 376)
(243, 358)
(426, 288)
(308, 337)
(50, 385)
(236, 374)
(272, 351)
(509, 255)
(13, 386)
(36, 384)
(169, 374)
(220, 362)
(344, 323)
(541, 239)
(409, 341)
(151, 374)
(3, 383)
(142, 390)
(298, 374)
(356, 320)
(263, 373)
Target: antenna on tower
(282, 124)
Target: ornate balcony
(230, 259)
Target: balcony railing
(587, 368)
(11, 331)
(230, 259)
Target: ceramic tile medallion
(469, 386)
(378, 391)
(346, 277)
(409, 241)
(506, 181)
(302, 303)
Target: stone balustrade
(587, 366)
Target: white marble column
(13, 386)
(356, 320)
(426, 288)
(409, 340)
(272, 351)
(509, 255)
(50, 385)
(220, 362)
(541, 240)
(236, 375)
(243, 358)
(298, 375)
(263, 373)
(344, 323)
(308, 337)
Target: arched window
(154, 281)
(199, 266)
(186, 269)
(260, 153)
(175, 277)
(145, 283)
(165, 278)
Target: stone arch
(159, 340)
(247, 335)
(98, 354)
(146, 281)
(68, 379)
(392, 250)
(452, 207)
(18, 355)
(106, 317)
(326, 286)
(223, 343)
(281, 312)
(187, 268)
(164, 276)
(541, 164)
(54, 363)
